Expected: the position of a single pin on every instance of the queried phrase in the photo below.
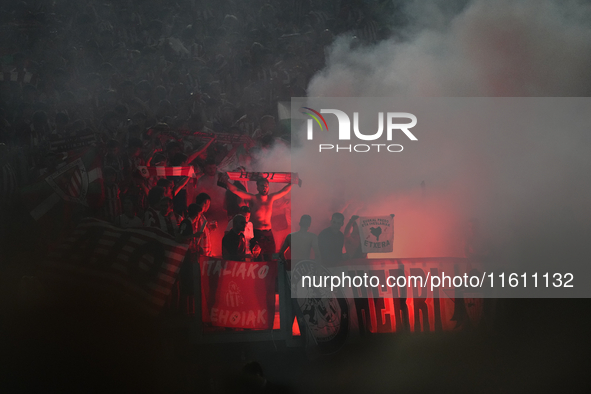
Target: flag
(284, 114)
(148, 172)
(376, 233)
(140, 264)
(238, 294)
(77, 181)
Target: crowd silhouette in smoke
(131, 75)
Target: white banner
(376, 233)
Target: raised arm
(199, 151)
(182, 183)
(281, 193)
(242, 194)
(349, 226)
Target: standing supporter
(167, 186)
(189, 230)
(353, 240)
(158, 215)
(234, 203)
(129, 218)
(331, 241)
(205, 245)
(151, 216)
(262, 209)
(169, 192)
(138, 189)
(112, 205)
(167, 221)
(191, 234)
(217, 212)
(234, 245)
(248, 230)
(301, 243)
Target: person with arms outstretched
(261, 206)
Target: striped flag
(138, 265)
(148, 172)
(78, 181)
(74, 182)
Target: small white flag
(377, 233)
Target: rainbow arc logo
(315, 115)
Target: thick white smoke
(528, 190)
(493, 48)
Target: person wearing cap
(248, 231)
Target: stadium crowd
(156, 83)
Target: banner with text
(238, 294)
(376, 233)
(276, 177)
(332, 314)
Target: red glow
(276, 320)
(295, 328)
